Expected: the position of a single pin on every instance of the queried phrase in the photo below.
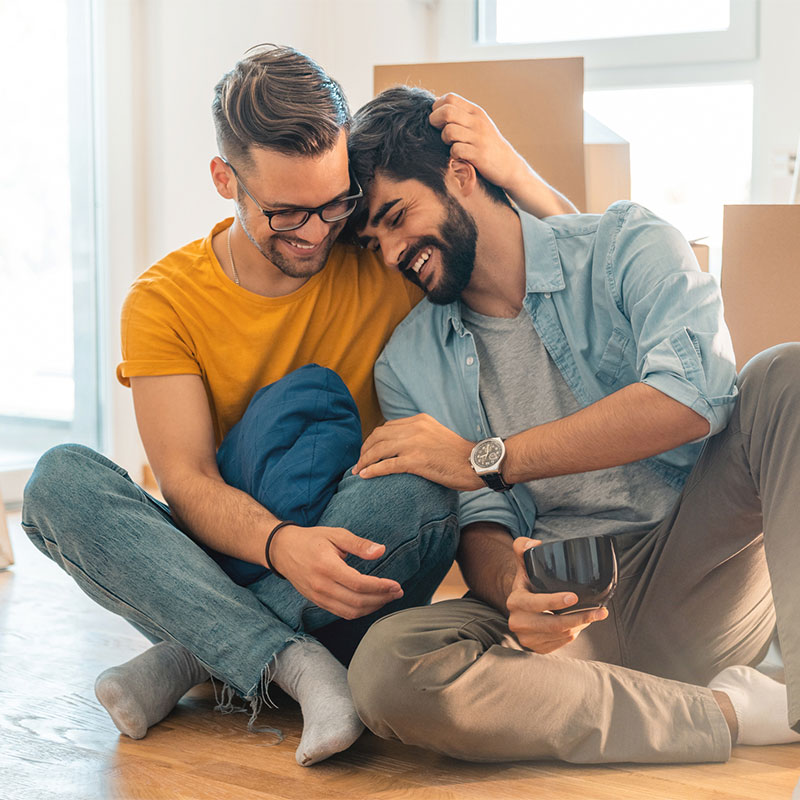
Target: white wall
(776, 127)
(363, 33)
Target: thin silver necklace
(230, 256)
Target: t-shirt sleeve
(154, 340)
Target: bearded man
(574, 377)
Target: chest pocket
(613, 359)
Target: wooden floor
(56, 742)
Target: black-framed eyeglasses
(289, 219)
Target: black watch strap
(494, 480)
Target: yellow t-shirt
(184, 316)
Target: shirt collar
(542, 262)
(542, 266)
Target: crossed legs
(695, 598)
(124, 551)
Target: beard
(456, 242)
(294, 266)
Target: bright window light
(48, 350)
(36, 317)
(576, 20)
(691, 149)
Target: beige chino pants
(695, 596)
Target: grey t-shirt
(520, 388)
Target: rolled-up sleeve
(683, 347)
(486, 505)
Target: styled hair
(280, 99)
(391, 134)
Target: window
(48, 317)
(612, 34)
(690, 148)
(570, 20)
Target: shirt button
(547, 295)
(470, 361)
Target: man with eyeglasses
(222, 582)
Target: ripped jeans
(124, 550)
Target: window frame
(87, 423)
(739, 43)
(35, 434)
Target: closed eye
(395, 221)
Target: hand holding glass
(586, 567)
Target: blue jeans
(124, 550)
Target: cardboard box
(572, 150)
(607, 159)
(536, 103)
(761, 276)
(701, 253)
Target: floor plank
(57, 743)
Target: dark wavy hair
(278, 98)
(391, 134)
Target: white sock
(142, 691)
(760, 704)
(308, 673)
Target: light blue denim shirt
(616, 298)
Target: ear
(463, 176)
(223, 178)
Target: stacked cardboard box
(761, 276)
(538, 105)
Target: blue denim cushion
(290, 450)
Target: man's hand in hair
(473, 137)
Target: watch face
(487, 453)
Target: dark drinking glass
(586, 566)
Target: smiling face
(428, 236)
(279, 182)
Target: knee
(411, 677)
(412, 497)
(52, 472)
(61, 477)
(403, 671)
(775, 371)
(403, 502)
(379, 678)
(423, 514)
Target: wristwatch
(486, 459)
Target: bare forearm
(486, 558)
(533, 194)
(473, 137)
(220, 516)
(634, 423)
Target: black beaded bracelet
(269, 542)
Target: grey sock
(142, 691)
(307, 672)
